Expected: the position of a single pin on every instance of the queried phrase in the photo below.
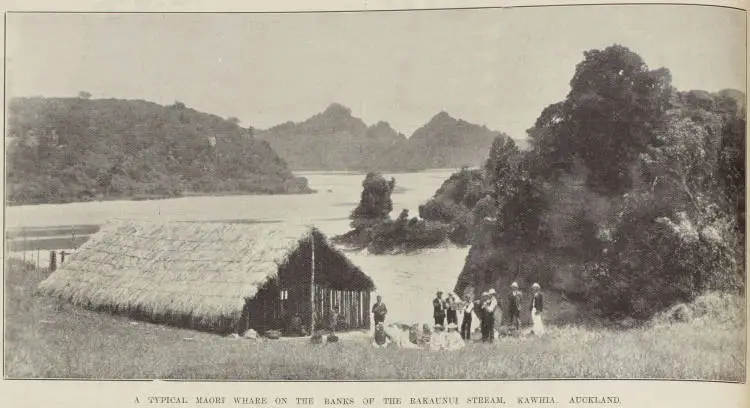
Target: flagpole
(312, 282)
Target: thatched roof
(198, 269)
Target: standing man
(489, 312)
(466, 321)
(438, 309)
(514, 306)
(483, 302)
(451, 313)
(379, 310)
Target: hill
(73, 149)
(335, 140)
(446, 142)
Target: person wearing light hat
(468, 310)
(537, 306)
(451, 303)
(489, 314)
(482, 314)
(453, 340)
(514, 306)
(488, 320)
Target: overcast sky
(498, 67)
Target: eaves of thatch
(205, 270)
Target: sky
(493, 67)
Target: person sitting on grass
(424, 339)
(399, 335)
(380, 338)
(438, 340)
(453, 340)
(295, 326)
(414, 334)
(333, 319)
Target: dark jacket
(538, 302)
(379, 309)
(438, 307)
(514, 303)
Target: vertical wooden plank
(351, 308)
(361, 309)
(319, 308)
(360, 318)
(348, 308)
(367, 314)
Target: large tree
(611, 115)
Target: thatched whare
(216, 276)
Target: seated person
(453, 338)
(380, 338)
(438, 338)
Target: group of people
(445, 333)
(411, 337)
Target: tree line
(78, 149)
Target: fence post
(52, 261)
(37, 259)
(62, 256)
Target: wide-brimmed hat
(452, 326)
(485, 293)
(514, 285)
(438, 327)
(491, 292)
(535, 286)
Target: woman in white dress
(453, 340)
(537, 306)
(438, 339)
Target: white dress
(536, 318)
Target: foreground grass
(46, 340)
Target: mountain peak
(337, 109)
(442, 117)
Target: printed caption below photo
(410, 401)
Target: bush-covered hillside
(631, 199)
(74, 149)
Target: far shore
(187, 194)
(154, 197)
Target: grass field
(46, 339)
